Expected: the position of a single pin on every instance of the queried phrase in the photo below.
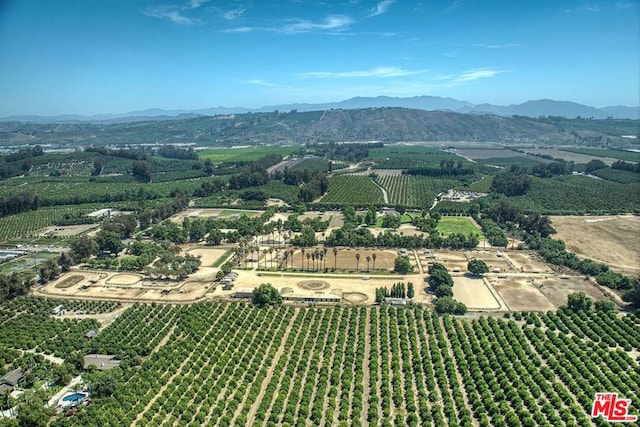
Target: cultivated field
(568, 156)
(613, 240)
(235, 365)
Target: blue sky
(115, 56)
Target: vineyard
(232, 364)
(414, 191)
(352, 190)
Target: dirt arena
(475, 293)
(613, 240)
(520, 294)
(556, 290)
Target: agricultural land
(252, 270)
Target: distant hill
(538, 108)
(334, 125)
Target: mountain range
(537, 108)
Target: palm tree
(357, 261)
(265, 252)
(368, 260)
(374, 256)
(302, 267)
(308, 257)
(313, 258)
(291, 256)
(335, 258)
(324, 253)
(271, 257)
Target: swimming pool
(75, 397)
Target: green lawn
(454, 224)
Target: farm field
(362, 366)
(571, 155)
(246, 154)
(628, 156)
(414, 191)
(352, 190)
(27, 224)
(609, 239)
(477, 153)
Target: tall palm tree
(357, 261)
(335, 258)
(324, 256)
(368, 258)
(308, 258)
(291, 256)
(302, 250)
(373, 257)
(313, 258)
(265, 252)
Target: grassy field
(453, 224)
(246, 154)
(627, 156)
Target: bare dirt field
(346, 259)
(208, 256)
(613, 240)
(209, 213)
(557, 290)
(496, 264)
(67, 230)
(519, 294)
(124, 279)
(455, 261)
(528, 262)
(474, 293)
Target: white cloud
(259, 82)
(240, 30)
(175, 12)
(480, 73)
(230, 15)
(382, 72)
(194, 4)
(331, 22)
(171, 13)
(584, 9)
(381, 8)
